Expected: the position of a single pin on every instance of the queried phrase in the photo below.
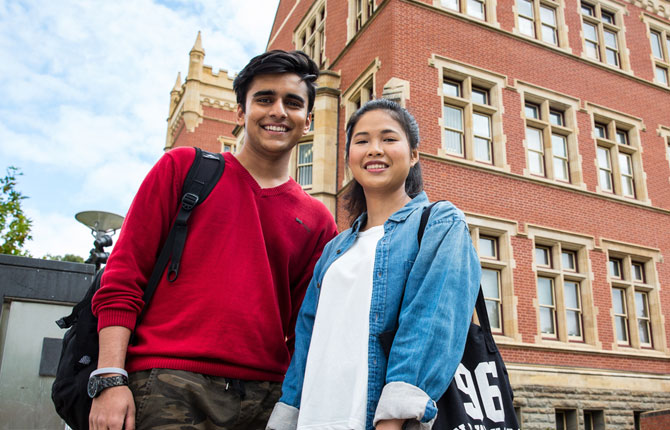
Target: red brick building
(548, 123)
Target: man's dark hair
(278, 61)
(355, 202)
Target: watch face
(92, 387)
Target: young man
(214, 345)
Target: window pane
(536, 163)
(305, 175)
(480, 96)
(603, 158)
(476, 8)
(526, 26)
(542, 256)
(534, 137)
(607, 17)
(625, 164)
(547, 321)
(605, 180)
(661, 75)
(610, 39)
(615, 268)
(493, 311)
(451, 4)
(571, 292)
(483, 150)
(568, 260)
(641, 305)
(622, 137)
(453, 118)
(656, 45)
(525, 8)
(621, 329)
(627, 186)
(592, 50)
(559, 146)
(590, 32)
(643, 330)
(531, 111)
(601, 131)
(453, 142)
(488, 247)
(638, 272)
(490, 283)
(548, 15)
(587, 10)
(545, 291)
(549, 34)
(561, 169)
(481, 124)
(556, 117)
(618, 301)
(305, 154)
(574, 322)
(452, 89)
(612, 57)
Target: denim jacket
(428, 293)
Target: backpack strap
(201, 179)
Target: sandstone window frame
(227, 144)
(664, 133)
(473, 83)
(551, 105)
(648, 286)
(482, 226)
(310, 35)
(606, 20)
(659, 57)
(476, 10)
(360, 12)
(361, 90)
(579, 246)
(608, 129)
(535, 20)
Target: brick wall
(655, 420)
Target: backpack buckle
(189, 201)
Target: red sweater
(243, 274)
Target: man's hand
(113, 408)
(115, 405)
(390, 425)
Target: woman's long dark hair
(354, 200)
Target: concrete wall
(35, 294)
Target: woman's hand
(390, 425)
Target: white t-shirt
(335, 388)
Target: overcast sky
(84, 96)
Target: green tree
(67, 257)
(14, 224)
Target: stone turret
(192, 110)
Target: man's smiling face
(275, 114)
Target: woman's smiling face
(379, 155)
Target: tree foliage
(67, 257)
(14, 224)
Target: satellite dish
(100, 221)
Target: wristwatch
(97, 383)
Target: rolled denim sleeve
(433, 322)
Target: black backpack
(79, 355)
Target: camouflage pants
(176, 399)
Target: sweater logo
(299, 221)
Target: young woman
(374, 279)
